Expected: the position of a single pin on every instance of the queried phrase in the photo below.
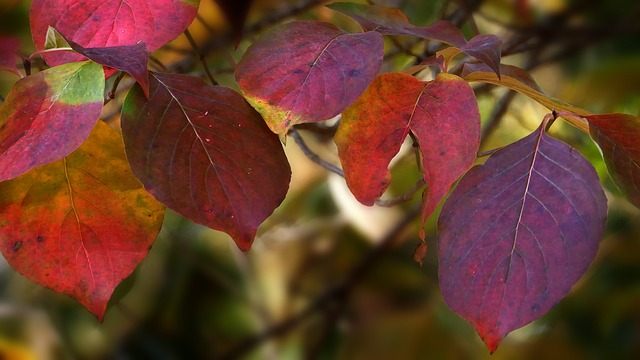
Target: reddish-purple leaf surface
(517, 233)
(9, 49)
(48, 115)
(307, 71)
(131, 59)
(391, 21)
(205, 153)
(442, 114)
(486, 48)
(106, 23)
(235, 11)
(79, 225)
(618, 135)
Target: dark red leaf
(307, 71)
(443, 115)
(391, 21)
(106, 23)
(48, 115)
(205, 153)
(618, 135)
(79, 225)
(486, 48)
(9, 50)
(517, 233)
(236, 13)
(131, 59)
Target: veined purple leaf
(307, 71)
(205, 153)
(517, 233)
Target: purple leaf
(307, 71)
(517, 233)
(486, 48)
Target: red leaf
(79, 225)
(391, 21)
(131, 59)
(517, 233)
(9, 50)
(236, 13)
(106, 23)
(307, 71)
(443, 115)
(48, 115)
(205, 153)
(618, 135)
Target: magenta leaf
(9, 50)
(618, 135)
(205, 153)
(106, 23)
(131, 59)
(307, 71)
(517, 233)
(48, 115)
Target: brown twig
(200, 56)
(313, 156)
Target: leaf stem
(313, 156)
(46, 51)
(200, 56)
(112, 94)
(407, 196)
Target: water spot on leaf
(17, 245)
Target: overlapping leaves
(81, 224)
(442, 114)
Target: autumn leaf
(205, 153)
(9, 50)
(307, 71)
(107, 23)
(79, 225)
(391, 21)
(442, 114)
(618, 135)
(517, 233)
(48, 115)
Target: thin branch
(313, 156)
(501, 107)
(335, 294)
(112, 94)
(200, 56)
(46, 51)
(158, 63)
(407, 196)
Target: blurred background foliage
(328, 278)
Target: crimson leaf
(517, 233)
(106, 23)
(205, 153)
